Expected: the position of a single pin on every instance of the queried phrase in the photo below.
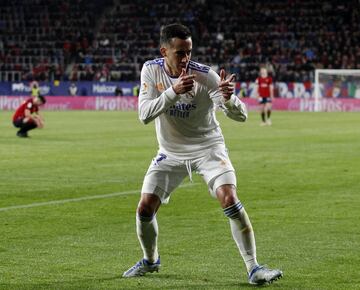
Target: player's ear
(163, 51)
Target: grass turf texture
(299, 181)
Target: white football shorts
(166, 173)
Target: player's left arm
(223, 96)
(271, 87)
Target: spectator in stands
(27, 116)
(73, 90)
(104, 41)
(119, 91)
(258, 28)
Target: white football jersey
(185, 124)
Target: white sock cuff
(233, 210)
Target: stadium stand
(39, 38)
(109, 40)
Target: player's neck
(171, 72)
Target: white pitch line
(62, 201)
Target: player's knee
(148, 205)
(230, 200)
(227, 195)
(145, 210)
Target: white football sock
(147, 232)
(243, 234)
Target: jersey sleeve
(232, 108)
(151, 104)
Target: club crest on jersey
(144, 88)
(160, 87)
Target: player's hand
(184, 83)
(38, 121)
(226, 86)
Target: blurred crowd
(108, 40)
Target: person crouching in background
(27, 117)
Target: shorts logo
(158, 158)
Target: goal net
(336, 83)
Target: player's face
(263, 73)
(38, 102)
(177, 55)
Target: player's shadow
(145, 282)
(177, 283)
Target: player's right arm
(271, 87)
(27, 115)
(151, 105)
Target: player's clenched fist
(184, 83)
(226, 86)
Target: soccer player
(265, 94)
(27, 116)
(180, 95)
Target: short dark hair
(170, 31)
(42, 99)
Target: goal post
(335, 83)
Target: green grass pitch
(299, 181)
